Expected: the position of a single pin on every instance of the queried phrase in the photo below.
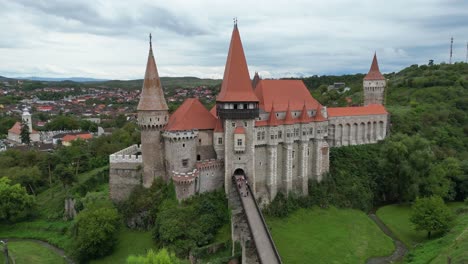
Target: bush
(95, 233)
(15, 202)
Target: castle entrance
(239, 172)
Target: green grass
(396, 217)
(328, 236)
(53, 232)
(130, 242)
(25, 252)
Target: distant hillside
(73, 79)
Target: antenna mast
(451, 46)
(466, 59)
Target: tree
(24, 134)
(160, 257)
(95, 233)
(65, 174)
(431, 214)
(15, 202)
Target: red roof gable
(16, 129)
(236, 86)
(213, 111)
(304, 118)
(191, 115)
(373, 109)
(318, 115)
(283, 93)
(374, 72)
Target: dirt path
(400, 248)
(57, 250)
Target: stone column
(288, 149)
(272, 157)
(303, 166)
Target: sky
(109, 39)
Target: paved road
(265, 246)
(400, 248)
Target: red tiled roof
(213, 111)
(191, 115)
(374, 72)
(261, 123)
(68, 138)
(152, 96)
(236, 86)
(284, 92)
(304, 118)
(288, 120)
(272, 120)
(318, 115)
(239, 130)
(219, 126)
(16, 129)
(372, 109)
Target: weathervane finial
(235, 21)
(150, 37)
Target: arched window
(198, 157)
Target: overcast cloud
(109, 39)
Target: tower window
(199, 140)
(220, 140)
(233, 124)
(185, 162)
(280, 134)
(258, 135)
(198, 157)
(239, 142)
(183, 145)
(245, 123)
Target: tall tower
(451, 48)
(374, 85)
(237, 107)
(26, 117)
(153, 115)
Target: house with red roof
(14, 133)
(273, 132)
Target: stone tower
(374, 85)
(237, 107)
(153, 115)
(26, 117)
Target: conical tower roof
(304, 118)
(236, 86)
(152, 95)
(288, 120)
(374, 72)
(272, 120)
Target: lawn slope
(328, 236)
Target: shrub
(95, 233)
(15, 202)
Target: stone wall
(180, 151)
(357, 130)
(211, 175)
(125, 172)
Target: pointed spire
(237, 86)
(318, 114)
(288, 120)
(304, 115)
(255, 80)
(272, 120)
(152, 95)
(374, 72)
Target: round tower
(374, 85)
(153, 115)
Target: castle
(272, 131)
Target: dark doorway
(239, 172)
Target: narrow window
(199, 140)
(183, 145)
(198, 157)
(185, 162)
(233, 124)
(272, 136)
(220, 140)
(245, 123)
(280, 134)
(239, 142)
(258, 135)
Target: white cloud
(108, 39)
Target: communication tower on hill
(451, 46)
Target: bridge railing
(265, 227)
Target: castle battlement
(181, 135)
(184, 178)
(129, 154)
(209, 164)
